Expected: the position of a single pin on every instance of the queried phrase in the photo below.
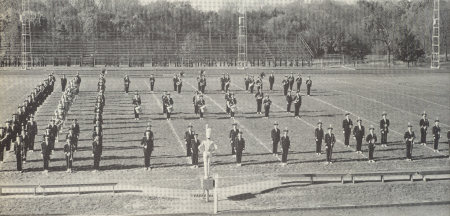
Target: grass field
(404, 95)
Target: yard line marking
(373, 100)
(348, 67)
(305, 122)
(411, 96)
(170, 124)
(343, 110)
(242, 125)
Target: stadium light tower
(242, 36)
(25, 19)
(435, 44)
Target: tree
(407, 47)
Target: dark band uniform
(239, 144)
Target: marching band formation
(20, 132)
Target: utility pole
(435, 44)
(242, 37)
(25, 19)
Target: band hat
(371, 127)
(359, 119)
(275, 123)
(234, 123)
(320, 122)
(424, 113)
(437, 120)
(384, 114)
(330, 127)
(286, 130)
(409, 124)
(190, 125)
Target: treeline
(401, 28)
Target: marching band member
(147, 147)
(194, 102)
(3, 139)
(275, 134)
(384, 129)
(68, 154)
(239, 145)
(259, 98)
(308, 86)
(285, 146)
(246, 81)
(174, 80)
(271, 81)
(179, 84)
(169, 105)
(318, 134)
(330, 140)
(127, 82)
(46, 152)
(32, 131)
(358, 134)
(231, 104)
(291, 80)
(297, 104)
(258, 84)
(195, 143)
(285, 84)
(63, 82)
(289, 100)
(298, 80)
(137, 99)
(163, 98)
(202, 84)
(424, 124)
(347, 125)
(222, 82)
(233, 133)
(267, 102)
(409, 139)
(152, 82)
(436, 135)
(227, 82)
(18, 150)
(96, 153)
(201, 106)
(209, 147)
(188, 136)
(371, 139)
(251, 83)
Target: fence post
(216, 199)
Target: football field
(402, 94)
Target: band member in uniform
(409, 139)
(347, 125)
(194, 102)
(202, 83)
(232, 135)
(259, 98)
(246, 81)
(231, 103)
(259, 84)
(436, 135)
(291, 81)
(163, 98)
(174, 80)
(227, 82)
(63, 83)
(96, 152)
(25, 143)
(152, 82)
(201, 106)
(308, 85)
(3, 139)
(126, 81)
(239, 145)
(275, 134)
(318, 134)
(297, 104)
(285, 146)
(251, 83)
(188, 136)
(330, 140)
(137, 99)
(32, 132)
(209, 147)
(299, 81)
(68, 153)
(285, 84)
(222, 82)
(271, 81)
(147, 147)
(371, 139)
(169, 105)
(195, 143)
(9, 136)
(76, 133)
(384, 129)
(227, 98)
(424, 124)
(137, 106)
(18, 150)
(267, 102)
(358, 134)
(179, 84)
(46, 152)
(289, 100)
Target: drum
(203, 108)
(233, 108)
(170, 109)
(138, 109)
